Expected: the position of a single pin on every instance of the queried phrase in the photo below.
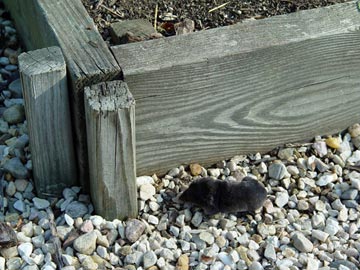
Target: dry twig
(218, 7)
(111, 10)
(156, 14)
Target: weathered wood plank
(244, 88)
(44, 82)
(110, 123)
(65, 23)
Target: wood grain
(65, 23)
(44, 83)
(110, 123)
(245, 88)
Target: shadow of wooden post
(110, 126)
(44, 83)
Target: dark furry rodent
(225, 196)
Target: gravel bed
(105, 12)
(310, 219)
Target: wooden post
(66, 23)
(110, 126)
(44, 83)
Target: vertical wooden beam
(110, 126)
(44, 83)
(66, 23)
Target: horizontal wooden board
(245, 88)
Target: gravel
(310, 219)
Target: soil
(105, 12)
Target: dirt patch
(205, 13)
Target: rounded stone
(134, 229)
(15, 114)
(10, 189)
(147, 191)
(41, 203)
(301, 243)
(277, 170)
(195, 169)
(15, 167)
(16, 89)
(86, 243)
(25, 249)
(149, 259)
(76, 209)
(282, 198)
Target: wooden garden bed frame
(204, 96)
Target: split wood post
(44, 83)
(110, 126)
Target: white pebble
(147, 191)
(69, 220)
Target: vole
(225, 196)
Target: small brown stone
(132, 31)
(195, 169)
(206, 259)
(257, 238)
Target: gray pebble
(207, 237)
(350, 194)
(285, 154)
(25, 249)
(68, 193)
(102, 252)
(277, 170)
(134, 229)
(10, 189)
(4, 61)
(76, 209)
(21, 184)
(320, 235)
(4, 126)
(14, 263)
(86, 243)
(134, 258)
(174, 172)
(270, 252)
(15, 114)
(215, 172)
(338, 263)
(149, 259)
(22, 141)
(256, 266)
(301, 243)
(282, 198)
(15, 167)
(332, 226)
(16, 89)
(19, 205)
(41, 203)
(197, 219)
(350, 203)
(11, 67)
(231, 165)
